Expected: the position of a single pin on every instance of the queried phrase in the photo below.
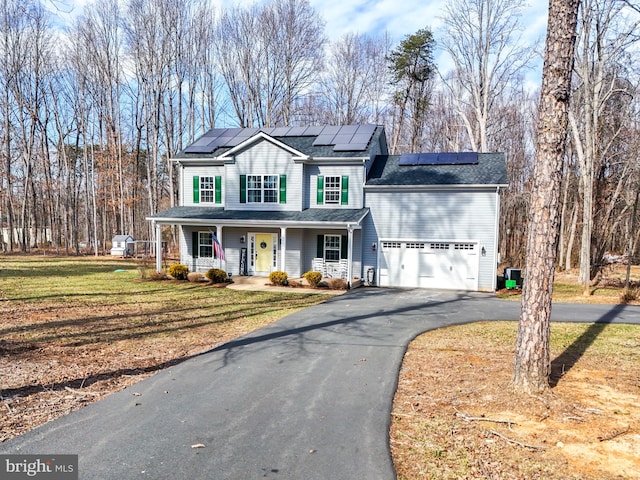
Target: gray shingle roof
(310, 215)
(303, 144)
(490, 170)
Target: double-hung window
(207, 189)
(263, 188)
(205, 245)
(332, 248)
(332, 190)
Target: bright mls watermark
(50, 467)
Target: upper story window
(263, 189)
(332, 190)
(207, 189)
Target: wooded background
(91, 113)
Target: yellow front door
(264, 252)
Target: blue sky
(398, 17)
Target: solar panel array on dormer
(443, 158)
(347, 138)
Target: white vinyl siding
(450, 216)
(203, 173)
(354, 174)
(263, 159)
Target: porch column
(219, 237)
(158, 232)
(349, 255)
(283, 249)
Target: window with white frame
(332, 189)
(262, 188)
(207, 189)
(332, 248)
(205, 245)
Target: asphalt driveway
(308, 397)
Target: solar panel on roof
(224, 141)
(323, 140)
(346, 129)
(342, 138)
(409, 159)
(202, 141)
(361, 138)
(469, 158)
(280, 131)
(428, 159)
(349, 147)
(297, 131)
(447, 158)
(366, 128)
(331, 130)
(314, 130)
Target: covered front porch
(258, 243)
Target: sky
(398, 17)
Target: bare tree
(532, 366)
(353, 87)
(484, 42)
(603, 39)
(269, 55)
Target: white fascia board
(437, 187)
(338, 160)
(196, 160)
(254, 223)
(262, 136)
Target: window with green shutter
(283, 189)
(218, 190)
(344, 192)
(243, 189)
(320, 194)
(196, 189)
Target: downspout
(158, 233)
(349, 255)
(494, 276)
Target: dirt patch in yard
(456, 415)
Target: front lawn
(76, 329)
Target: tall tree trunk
(532, 365)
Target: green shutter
(343, 247)
(196, 189)
(194, 244)
(320, 196)
(283, 189)
(344, 193)
(320, 250)
(243, 189)
(218, 189)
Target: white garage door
(448, 265)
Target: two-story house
(331, 198)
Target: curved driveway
(308, 397)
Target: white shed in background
(123, 246)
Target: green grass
(85, 300)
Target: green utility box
(510, 284)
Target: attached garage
(429, 264)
